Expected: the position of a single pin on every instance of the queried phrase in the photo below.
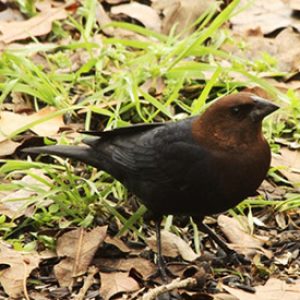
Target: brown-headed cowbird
(198, 166)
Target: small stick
(175, 284)
(87, 283)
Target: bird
(197, 166)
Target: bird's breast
(241, 173)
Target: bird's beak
(262, 108)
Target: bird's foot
(163, 274)
(237, 258)
(231, 257)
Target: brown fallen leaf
(21, 264)
(43, 5)
(115, 283)
(241, 240)
(9, 15)
(288, 50)
(115, 1)
(78, 247)
(283, 259)
(173, 245)
(268, 16)
(142, 265)
(143, 13)
(293, 4)
(223, 296)
(180, 13)
(49, 127)
(88, 282)
(284, 48)
(8, 147)
(157, 85)
(18, 203)
(103, 19)
(39, 25)
(117, 243)
(274, 289)
(288, 163)
(10, 122)
(39, 295)
(285, 86)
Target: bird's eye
(235, 110)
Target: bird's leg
(160, 260)
(235, 257)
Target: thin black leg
(215, 238)
(160, 260)
(231, 254)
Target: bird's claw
(233, 258)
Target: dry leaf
(281, 220)
(36, 26)
(274, 289)
(114, 283)
(293, 4)
(283, 259)
(284, 49)
(241, 241)
(115, 1)
(267, 16)
(10, 122)
(222, 296)
(9, 15)
(157, 85)
(285, 86)
(16, 203)
(78, 247)
(20, 264)
(289, 164)
(103, 19)
(143, 13)
(49, 127)
(39, 295)
(117, 243)
(88, 282)
(288, 50)
(180, 13)
(173, 245)
(44, 5)
(142, 265)
(8, 147)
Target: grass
(106, 89)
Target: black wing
(136, 128)
(162, 154)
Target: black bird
(198, 166)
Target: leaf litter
(79, 249)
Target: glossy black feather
(142, 156)
(197, 166)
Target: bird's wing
(163, 154)
(137, 128)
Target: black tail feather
(81, 153)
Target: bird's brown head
(233, 120)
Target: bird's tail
(81, 153)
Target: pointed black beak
(262, 108)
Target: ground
(71, 232)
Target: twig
(77, 256)
(87, 283)
(175, 284)
(25, 281)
